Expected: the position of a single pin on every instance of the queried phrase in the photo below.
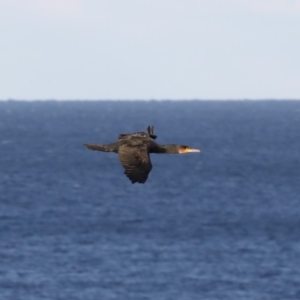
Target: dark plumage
(133, 150)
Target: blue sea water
(222, 224)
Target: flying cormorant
(133, 150)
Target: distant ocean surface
(222, 224)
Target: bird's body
(134, 149)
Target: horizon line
(148, 100)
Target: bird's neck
(169, 149)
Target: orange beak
(189, 150)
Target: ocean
(222, 224)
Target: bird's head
(186, 149)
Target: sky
(149, 49)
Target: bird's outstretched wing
(150, 133)
(150, 130)
(136, 162)
(128, 136)
(95, 147)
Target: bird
(133, 150)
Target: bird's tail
(95, 147)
